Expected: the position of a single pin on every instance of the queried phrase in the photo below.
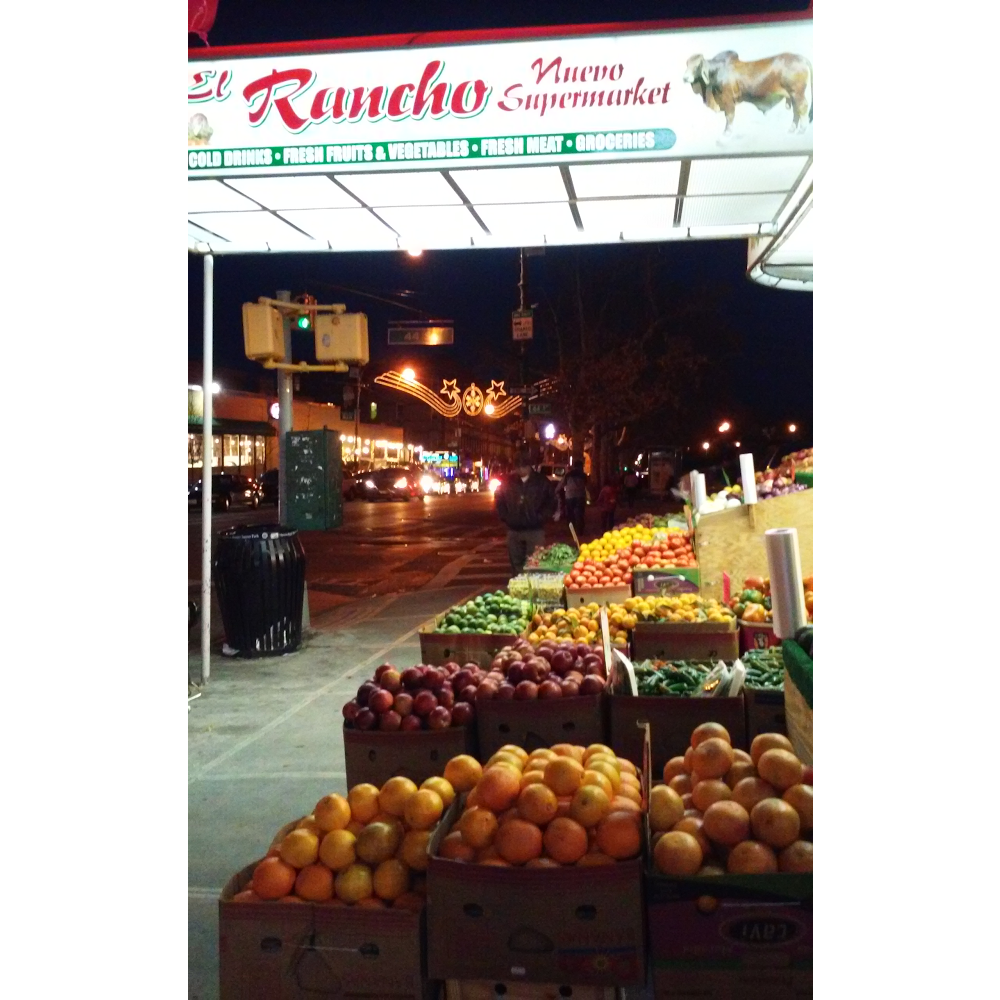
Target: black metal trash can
(260, 574)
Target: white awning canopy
(638, 136)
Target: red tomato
(568, 580)
(633, 560)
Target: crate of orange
(337, 905)
(729, 878)
(683, 627)
(537, 870)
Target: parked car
(433, 484)
(465, 482)
(386, 484)
(228, 490)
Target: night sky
(771, 378)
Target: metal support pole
(207, 454)
(284, 411)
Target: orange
(569, 750)
(363, 800)
(413, 850)
(539, 756)
(332, 812)
(693, 825)
(565, 841)
(478, 827)
(800, 798)
(541, 862)
(309, 823)
(625, 766)
(618, 835)
(609, 770)
(709, 730)
(519, 752)
(394, 795)
(463, 772)
(709, 791)
(672, 768)
(631, 781)
(500, 757)
(622, 804)
(371, 903)
(592, 858)
(498, 789)
(353, 884)
(775, 822)
(633, 794)
(768, 741)
(496, 863)
(423, 809)
(246, 896)
(378, 842)
(726, 823)
(486, 854)
(519, 841)
(681, 784)
(712, 758)
(315, 883)
(781, 768)
(741, 769)
(750, 857)
(589, 806)
(750, 791)
(408, 901)
(687, 759)
(391, 879)
(597, 748)
(353, 827)
(299, 848)
(472, 799)
(742, 755)
(532, 778)
(565, 803)
(677, 853)
(273, 878)
(454, 848)
(665, 808)
(336, 850)
(442, 787)
(564, 775)
(600, 780)
(537, 804)
(797, 857)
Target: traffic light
(306, 320)
(263, 337)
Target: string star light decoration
(495, 391)
(473, 399)
(450, 389)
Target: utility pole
(357, 415)
(284, 409)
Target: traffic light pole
(207, 454)
(284, 410)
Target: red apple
(391, 681)
(351, 710)
(505, 692)
(592, 684)
(486, 691)
(380, 701)
(462, 714)
(424, 703)
(365, 719)
(570, 689)
(365, 692)
(403, 704)
(515, 673)
(549, 689)
(379, 671)
(411, 724)
(468, 693)
(440, 718)
(526, 691)
(562, 662)
(434, 679)
(389, 721)
(446, 697)
(412, 678)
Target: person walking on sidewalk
(607, 500)
(525, 501)
(631, 487)
(574, 491)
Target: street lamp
(724, 426)
(409, 375)
(550, 432)
(736, 443)
(792, 428)
(705, 445)
(488, 409)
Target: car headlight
(426, 483)
(369, 484)
(494, 485)
(400, 484)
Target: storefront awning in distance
(703, 132)
(249, 427)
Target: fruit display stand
(686, 641)
(670, 720)
(579, 598)
(374, 757)
(463, 647)
(732, 541)
(574, 925)
(271, 949)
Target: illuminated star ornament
(473, 400)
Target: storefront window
(216, 451)
(246, 453)
(230, 449)
(260, 455)
(194, 451)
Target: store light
(343, 438)
(409, 375)
(414, 252)
(275, 411)
(792, 428)
(724, 426)
(737, 443)
(705, 445)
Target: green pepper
(751, 597)
(767, 603)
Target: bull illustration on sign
(724, 81)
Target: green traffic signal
(303, 323)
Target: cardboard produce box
(597, 595)
(666, 582)
(457, 989)
(765, 711)
(540, 723)
(757, 635)
(297, 951)
(374, 757)
(730, 937)
(577, 926)
(437, 648)
(686, 641)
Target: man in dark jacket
(525, 501)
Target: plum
(365, 719)
(389, 721)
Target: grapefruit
(589, 806)
(363, 800)
(423, 809)
(442, 787)
(299, 848)
(394, 795)
(565, 775)
(378, 842)
(391, 879)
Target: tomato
(675, 541)
(753, 583)
(568, 580)
(588, 563)
(578, 566)
(633, 560)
